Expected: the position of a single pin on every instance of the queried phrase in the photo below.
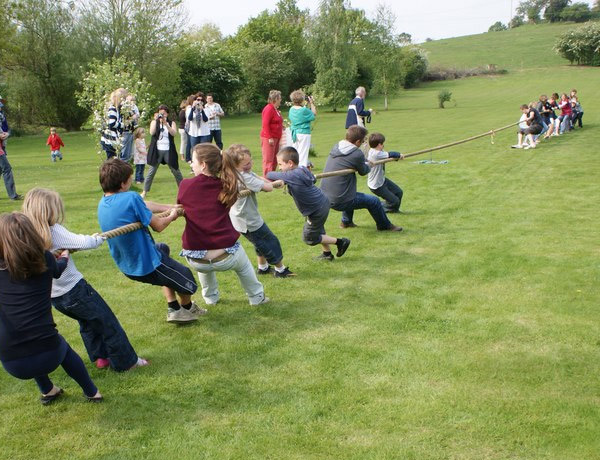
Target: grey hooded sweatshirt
(342, 189)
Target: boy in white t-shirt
(377, 182)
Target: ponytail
(223, 167)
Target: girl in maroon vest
(210, 243)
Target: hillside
(526, 47)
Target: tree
(335, 62)
(577, 12)
(516, 21)
(413, 65)
(581, 45)
(531, 9)
(497, 27)
(554, 9)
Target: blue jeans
(265, 244)
(100, 329)
(108, 149)
(7, 175)
(391, 193)
(195, 140)
(126, 146)
(139, 172)
(38, 367)
(215, 134)
(188, 147)
(371, 203)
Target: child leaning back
(105, 340)
(310, 201)
(247, 220)
(135, 253)
(377, 182)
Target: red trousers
(269, 155)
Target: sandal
(48, 399)
(94, 399)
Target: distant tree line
(53, 52)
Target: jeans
(577, 116)
(139, 172)
(100, 329)
(215, 134)
(54, 154)
(565, 123)
(108, 149)
(126, 146)
(7, 175)
(237, 262)
(38, 367)
(163, 155)
(265, 244)
(391, 193)
(371, 203)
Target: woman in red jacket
(272, 129)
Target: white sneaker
(516, 146)
(264, 300)
(197, 311)
(180, 316)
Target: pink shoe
(102, 363)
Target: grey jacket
(342, 189)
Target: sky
(421, 18)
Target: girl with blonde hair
(105, 340)
(210, 242)
(30, 345)
(114, 125)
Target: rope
(131, 227)
(343, 172)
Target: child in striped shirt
(102, 334)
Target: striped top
(114, 127)
(64, 239)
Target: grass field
(473, 334)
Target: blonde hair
(297, 97)
(223, 167)
(45, 208)
(236, 153)
(52, 129)
(139, 133)
(274, 95)
(117, 96)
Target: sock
(174, 305)
(187, 306)
(280, 270)
(263, 267)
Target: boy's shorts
(314, 227)
(265, 244)
(169, 273)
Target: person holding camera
(272, 130)
(199, 129)
(301, 116)
(162, 147)
(356, 110)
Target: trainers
(284, 274)
(347, 225)
(516, 146)
(342, 246)
(17, 197)
(180, 316)
(196, 311)
(324, 256)
(264, 300)
(102, 363)
(266, 271)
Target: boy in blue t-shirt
(310, 201)
(135, 253)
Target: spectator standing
(356, 110)
(272, 130)
(113, 123)
(214, 112)
(301, 116)
(5, 168)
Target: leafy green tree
(497, 27)
(581, 45)
(577, 12)
(335, 62)
(531, 9)
(413, 65)
(554, 9)
(516, 21)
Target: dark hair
(210, 94)
(524, 106)
(356, 133)
(375, 139)
(164, 107)
(113, 173)
(555, 96)
(21, 247)
(223, 167)
(289, 154)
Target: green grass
(473, 334)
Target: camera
(160, 115)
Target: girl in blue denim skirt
(104, 338)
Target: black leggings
(38, 367)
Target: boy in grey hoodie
(341, 190)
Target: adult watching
(356, 110)
(111, 134)
(272, 130)
(181, 125)
(162, 147)
(301, 116)
(198, 128)
(341, 190)
(5, 167)
(214, 112)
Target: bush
(497, 27)
(516, 21)
(581, 46)
(413, 65)
(577, 12)
(443, 73)
(443, 97)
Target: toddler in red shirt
(55, 143)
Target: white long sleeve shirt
(64, 239)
